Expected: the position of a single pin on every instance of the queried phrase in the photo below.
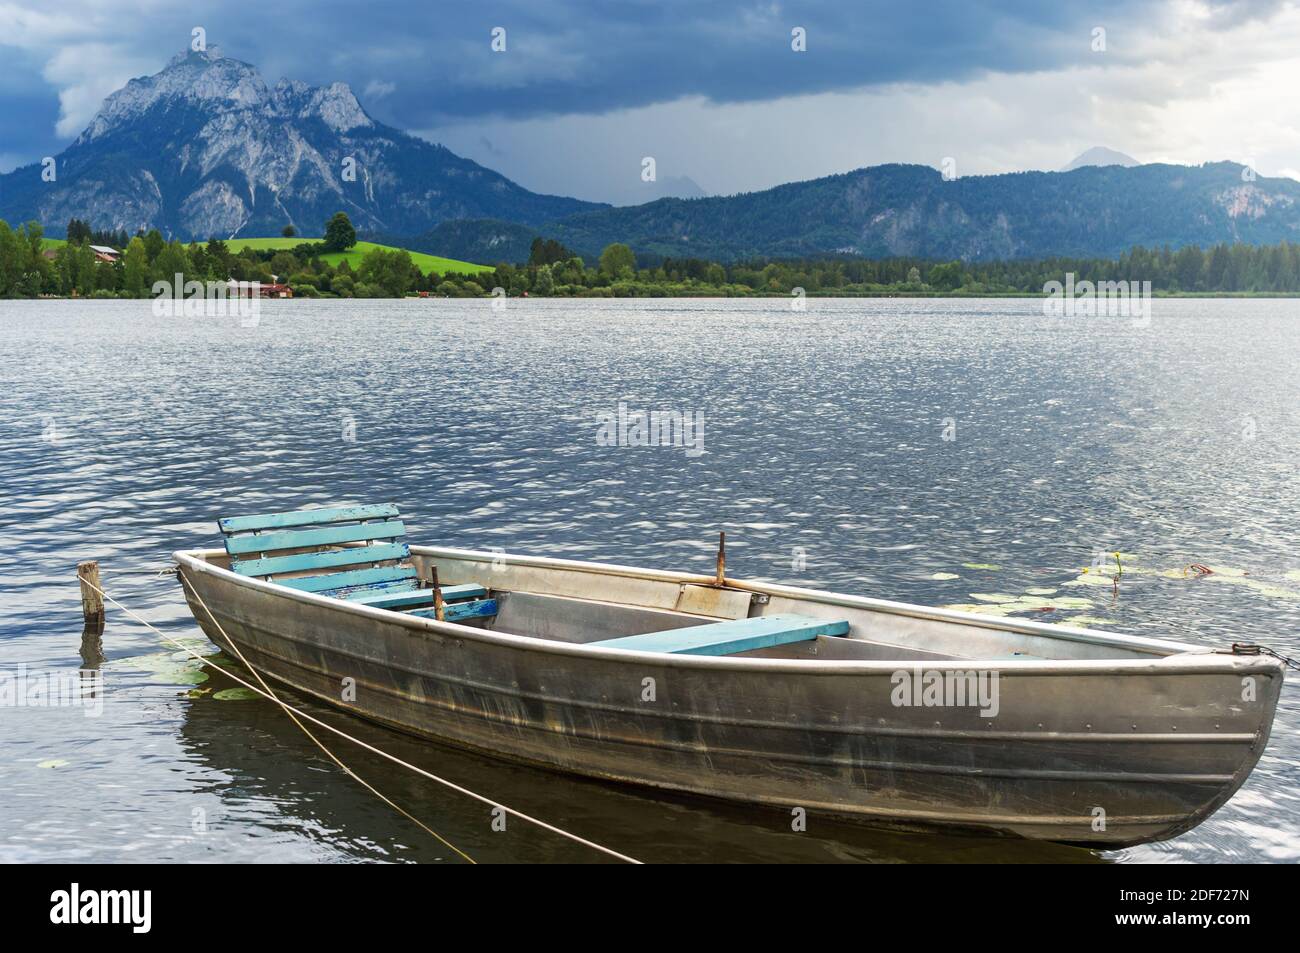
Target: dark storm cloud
(433, 62)
(565, 57)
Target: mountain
(1100, 155)
(910, 210)
(206, 147)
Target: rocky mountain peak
(211, 54)
(215, 83)
(205, 147)
(205, 79)
(335, 105)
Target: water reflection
(314, 799)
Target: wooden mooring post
(438, 612)
(721, 579)
(92, 603)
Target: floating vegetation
(1100, 573)
(1107, 572)
(173, 668)
(1060, 602)
(53, 763)
(1090, 579)
(1263, 588)
(1192, 572)
(1002, 604)
(235, 694)
(945, 575)
(981, 608)
(182, 674)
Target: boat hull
(1102, 753)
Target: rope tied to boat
(161, 573)
(1252, 648)
(296, 713)
(330, 754)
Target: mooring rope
(1253, 648)
(162, 573)
(292, 711)
(307, 731)
(269, 692)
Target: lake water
(124, 436)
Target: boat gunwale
(1186, 658)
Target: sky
(713, 90)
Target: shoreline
(776, 296)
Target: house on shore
(104, 253)
(249, 289)
(101, 252)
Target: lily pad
(982, 608)
(235, 694)
(182, 675)
(1066, 602)
(175, 668)
(1002, 603)
(1226, 571)
(945, 575)
(1263, 588)
(1185, 572)
(994, 567)
(1040, 592)
(53, 763)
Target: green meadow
(426, 263)
(353, 256)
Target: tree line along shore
(91, 264)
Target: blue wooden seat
(461, 611)
(399, 599)
(728, 638)
(377, 573)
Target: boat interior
(360, 555)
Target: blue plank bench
(728, 638)
(377, 574)
(460, 611)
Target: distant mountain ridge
(206, 148)
(911, 210)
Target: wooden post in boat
(721, 580)
(92, 603)
(437, 596)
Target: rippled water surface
(124, 436)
